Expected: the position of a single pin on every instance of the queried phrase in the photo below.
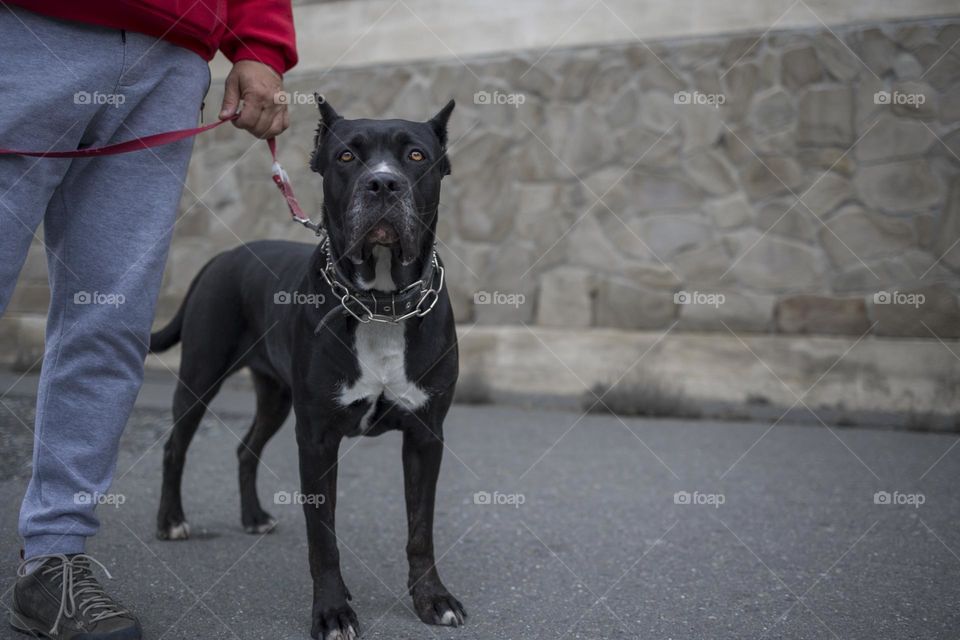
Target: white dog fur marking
(384, 167)
(380, 353)
(382, 275)
(179, 532)
(449, 617)
(381, 350)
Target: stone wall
(792, 182)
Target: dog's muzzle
(382, 212)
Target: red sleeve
(260, 30)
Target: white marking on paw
(265, 527)
(449, 617)
(348, 634)
(179, 532)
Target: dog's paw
(439, 608)
(339, 623)
(178, 531)
(260, 528)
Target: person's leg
(108, 229)
(38, 111)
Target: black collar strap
(415, 300)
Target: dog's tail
(168, 336)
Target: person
(83, 74)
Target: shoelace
(80, 590)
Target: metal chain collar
(415, 300)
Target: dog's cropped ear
(327, 113)
(328, 116)
(439, 125)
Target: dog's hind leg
(188, 410)
(273, 406)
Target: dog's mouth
(397, 235)
(382, 234)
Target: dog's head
(381, 190)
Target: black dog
(356, 334)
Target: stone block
(669, 234)
(815, 314)
(800, 67)
(854, 235)
(708, 170)
(787, 217)
(893, 138)
(729, 212)
(947, 244)
(825, 116)
(736, 310)
(904, 186)
(773, 111)
(566, 297)
(773, 264)
(922, 312)
(623, 304)
(771, 176)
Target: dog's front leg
(421, 467)
(333, 618)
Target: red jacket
(259, 30)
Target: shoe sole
(26, 625)
(29, 626)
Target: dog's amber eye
(345, 156)
(416, 155)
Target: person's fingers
(285, 122)
(264, 122)
(231, 96)
(249, 116)
(276, 127)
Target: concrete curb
(896, 382)
(709, 374)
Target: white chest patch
(380, 354)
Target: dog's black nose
(383, 182)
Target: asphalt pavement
(549, 525)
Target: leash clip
(282, 180)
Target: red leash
(137, 144)
(280, 177)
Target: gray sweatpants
(107, 224)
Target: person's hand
(263, 114)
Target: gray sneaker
(61, 599)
